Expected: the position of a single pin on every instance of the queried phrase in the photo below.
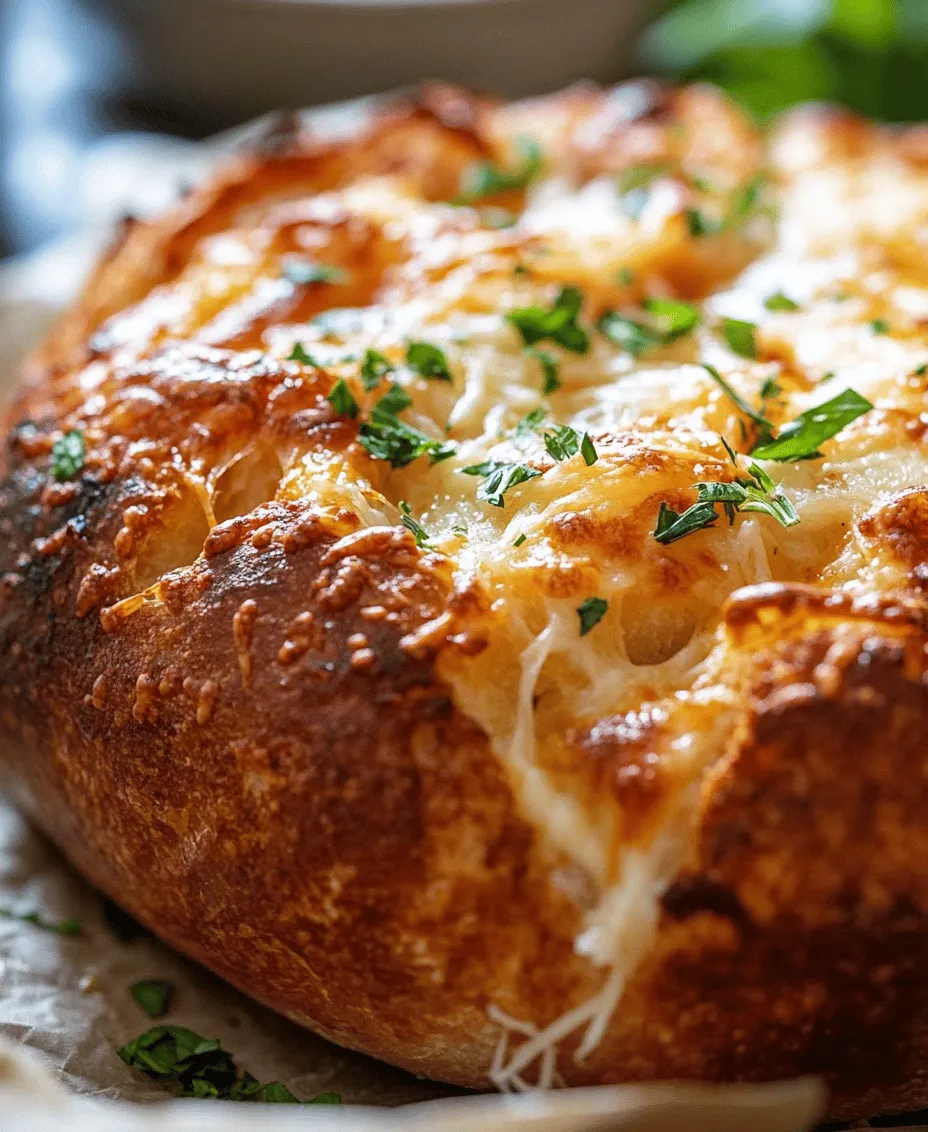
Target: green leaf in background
(60, 927)
(869, 54)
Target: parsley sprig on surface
(419, 532)
(498, 478)
(591, 612)
(670, 320)
(386, 437)
(486, 179)
(754, 492)
(562, 442)
(374, 366)
(428, 361)
(200, 1067)
(153, 995)
(800, 439)
(342, 399)
(558, 324)
(68, 455)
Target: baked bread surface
(514, 792)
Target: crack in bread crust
(382, 785)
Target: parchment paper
(64, 1001)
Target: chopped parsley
(302, 272)
(342, 399)
(754, 492)
(625, 277)
(674, 318)
(629, 334)
(671, 319)
(374, 366)
(740, 336)
(780, 302)
(520, 540)
(559, 324)
(551, 381)
(386, 437)
(60, 927)
(700, 224)
(879, 326)
(68, 455)
(485, 179)
(153, 995)
(764, 424)
(419, 532)
(591, 612)
(770, 389)
(920, 371)
(427, 361)
(299, 354)
(562, 442)
(800, 439)
(498, 479)
(200, 1067)
(531, 421)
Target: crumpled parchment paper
(65, 1006)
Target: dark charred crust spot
(691, 895)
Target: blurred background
(84, 84)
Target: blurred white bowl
(225, 60)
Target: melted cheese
(840, 252)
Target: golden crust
(239, 706)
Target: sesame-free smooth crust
(382, 776)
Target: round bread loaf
(464, 585)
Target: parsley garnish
(552, 381)
(780, 302)
(563, 442)
(153, 995)
(520, 540)
(484, 179)
(625, 277)
(770, 389)
(373, 368)
(800, 439)
(302, 272)
(419, 532)
(628, 334)
(427, 361)
(342, 399)
(386, 437)
(200, 1067)
(591, 612)
(299, 354)
(672, 319)
(530, 422)
(673, 525)
(68, 455)
(700, 224)
(920, 371)
(879, 326)
(61, 927)
(740, 336)
(764, 424)
(559, 324)
(754, 492)
(498, 479)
